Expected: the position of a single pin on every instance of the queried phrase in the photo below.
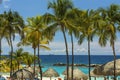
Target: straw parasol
(31, 69)
(95, 75)
(77, 74)
(50, 73)
(22, 74)
(108, 68)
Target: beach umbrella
(95, 75)
(23, 74)
(108, 68)
(31, 69)
(77, 74)
(50, 73)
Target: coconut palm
(34, 35)
(72, 31)
(57, 20)
(28, 59)
(14, 24)
(41, 37)
(109, 16)
(14, 63)
(2, 34)
(41, 45)
(87, 30)
(30, 38)
(18, 56)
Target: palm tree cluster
(103, 23)
(19, 57)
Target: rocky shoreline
(81, 65)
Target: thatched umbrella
(50, 73)
(77, 74)
(23, 74)
(108, 68)
(95, 75)
(31, 69)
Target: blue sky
(30, 8)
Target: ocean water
(48, 60)
(81, 59)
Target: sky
(31, 8)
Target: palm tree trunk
(34, 60)
(11, 56)
(18, 65)
(0, 47)
(67, 55)
(0, 51)
(89, 60)
(72, 56)
(114, 54)
(39, 62)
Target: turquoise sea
(48, 61)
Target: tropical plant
(18, 56)
(109, 16)
(14, 24)
(87, 31)
(34, 35)
(14, 64)
(57, 20)
(28, 59)
(71, 17)
(2, 35)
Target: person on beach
(59, 79)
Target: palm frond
(48, 18)
(103, 40)
(81, 39)
(44, 47)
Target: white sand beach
(6, 75)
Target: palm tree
(28, 59)
(14, 24)
(2, 35)
(87, 30)
(42, 44)
(57, 20)
(14, 63)
(72, 31)
(18, 56)
(34, 35)
(30, 38)
(109, 16)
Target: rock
(81, 65)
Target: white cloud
(81, 50)
(57, 45)
(59, 48)
(58, 51)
